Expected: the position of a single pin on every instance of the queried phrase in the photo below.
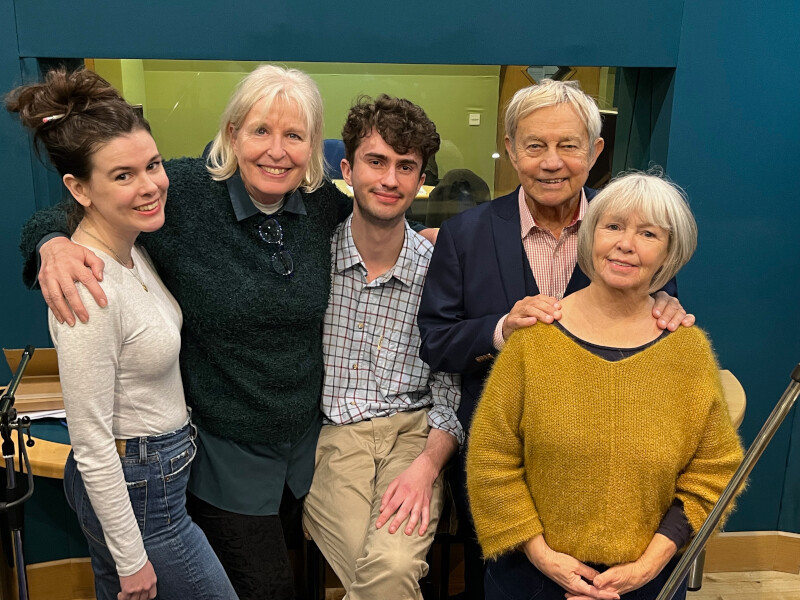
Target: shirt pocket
(397, 365)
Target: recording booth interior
(706, 90)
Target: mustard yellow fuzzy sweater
(592, 453)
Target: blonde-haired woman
(601, 443)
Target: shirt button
(355, 366)
(360, 326)
(353, 403)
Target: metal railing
(750, 459)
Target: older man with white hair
(505, 264)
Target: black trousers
(253, 550)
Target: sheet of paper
(44, 414)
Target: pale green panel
(126, 75)
(217, 66)
(230, 66)
(184, 108)
(111, 71)
(133, 81)
(394, 69)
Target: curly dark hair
(72, 114)
(401, 123)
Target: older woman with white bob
(601, 442)
(246, 252)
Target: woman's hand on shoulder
(568, 572)
(430, 234)
(139, 586)
(63, 264)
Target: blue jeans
(156, 470)
(513, 577)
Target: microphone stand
(13, 502)
(750, 459)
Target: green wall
(183, 100)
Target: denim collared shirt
(243, 206)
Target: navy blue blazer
(477, 273)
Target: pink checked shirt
(552, 260)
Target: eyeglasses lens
(271, 232)
(282, 262)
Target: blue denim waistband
(142, 446)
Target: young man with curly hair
(390, 423)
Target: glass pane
(183, 101)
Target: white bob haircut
(549, 92)
(657, 201)
(270, 83)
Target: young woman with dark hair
(132, 438)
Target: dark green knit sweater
(252, 344)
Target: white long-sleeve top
(120, 379)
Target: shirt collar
(243, 206)
(347, 255)
(527, 222)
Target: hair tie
(52, 118)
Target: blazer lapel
(508, 245)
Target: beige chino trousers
(354, 465)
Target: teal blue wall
(582, 32)
(734, 147)
(732, 140)
(22, 321)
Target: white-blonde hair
(657, 201)
(549, 92)
(270, 83)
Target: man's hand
(64, 263)
(139, 586)
(669, 312)
(409, 494)
(566, 571)
(529, 310)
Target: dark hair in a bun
(72, 114)
(93, 113)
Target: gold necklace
(133, 271)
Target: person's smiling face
(384, 182)
(552, 155)
(127, 189)
(272, 148)
(628, 252)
